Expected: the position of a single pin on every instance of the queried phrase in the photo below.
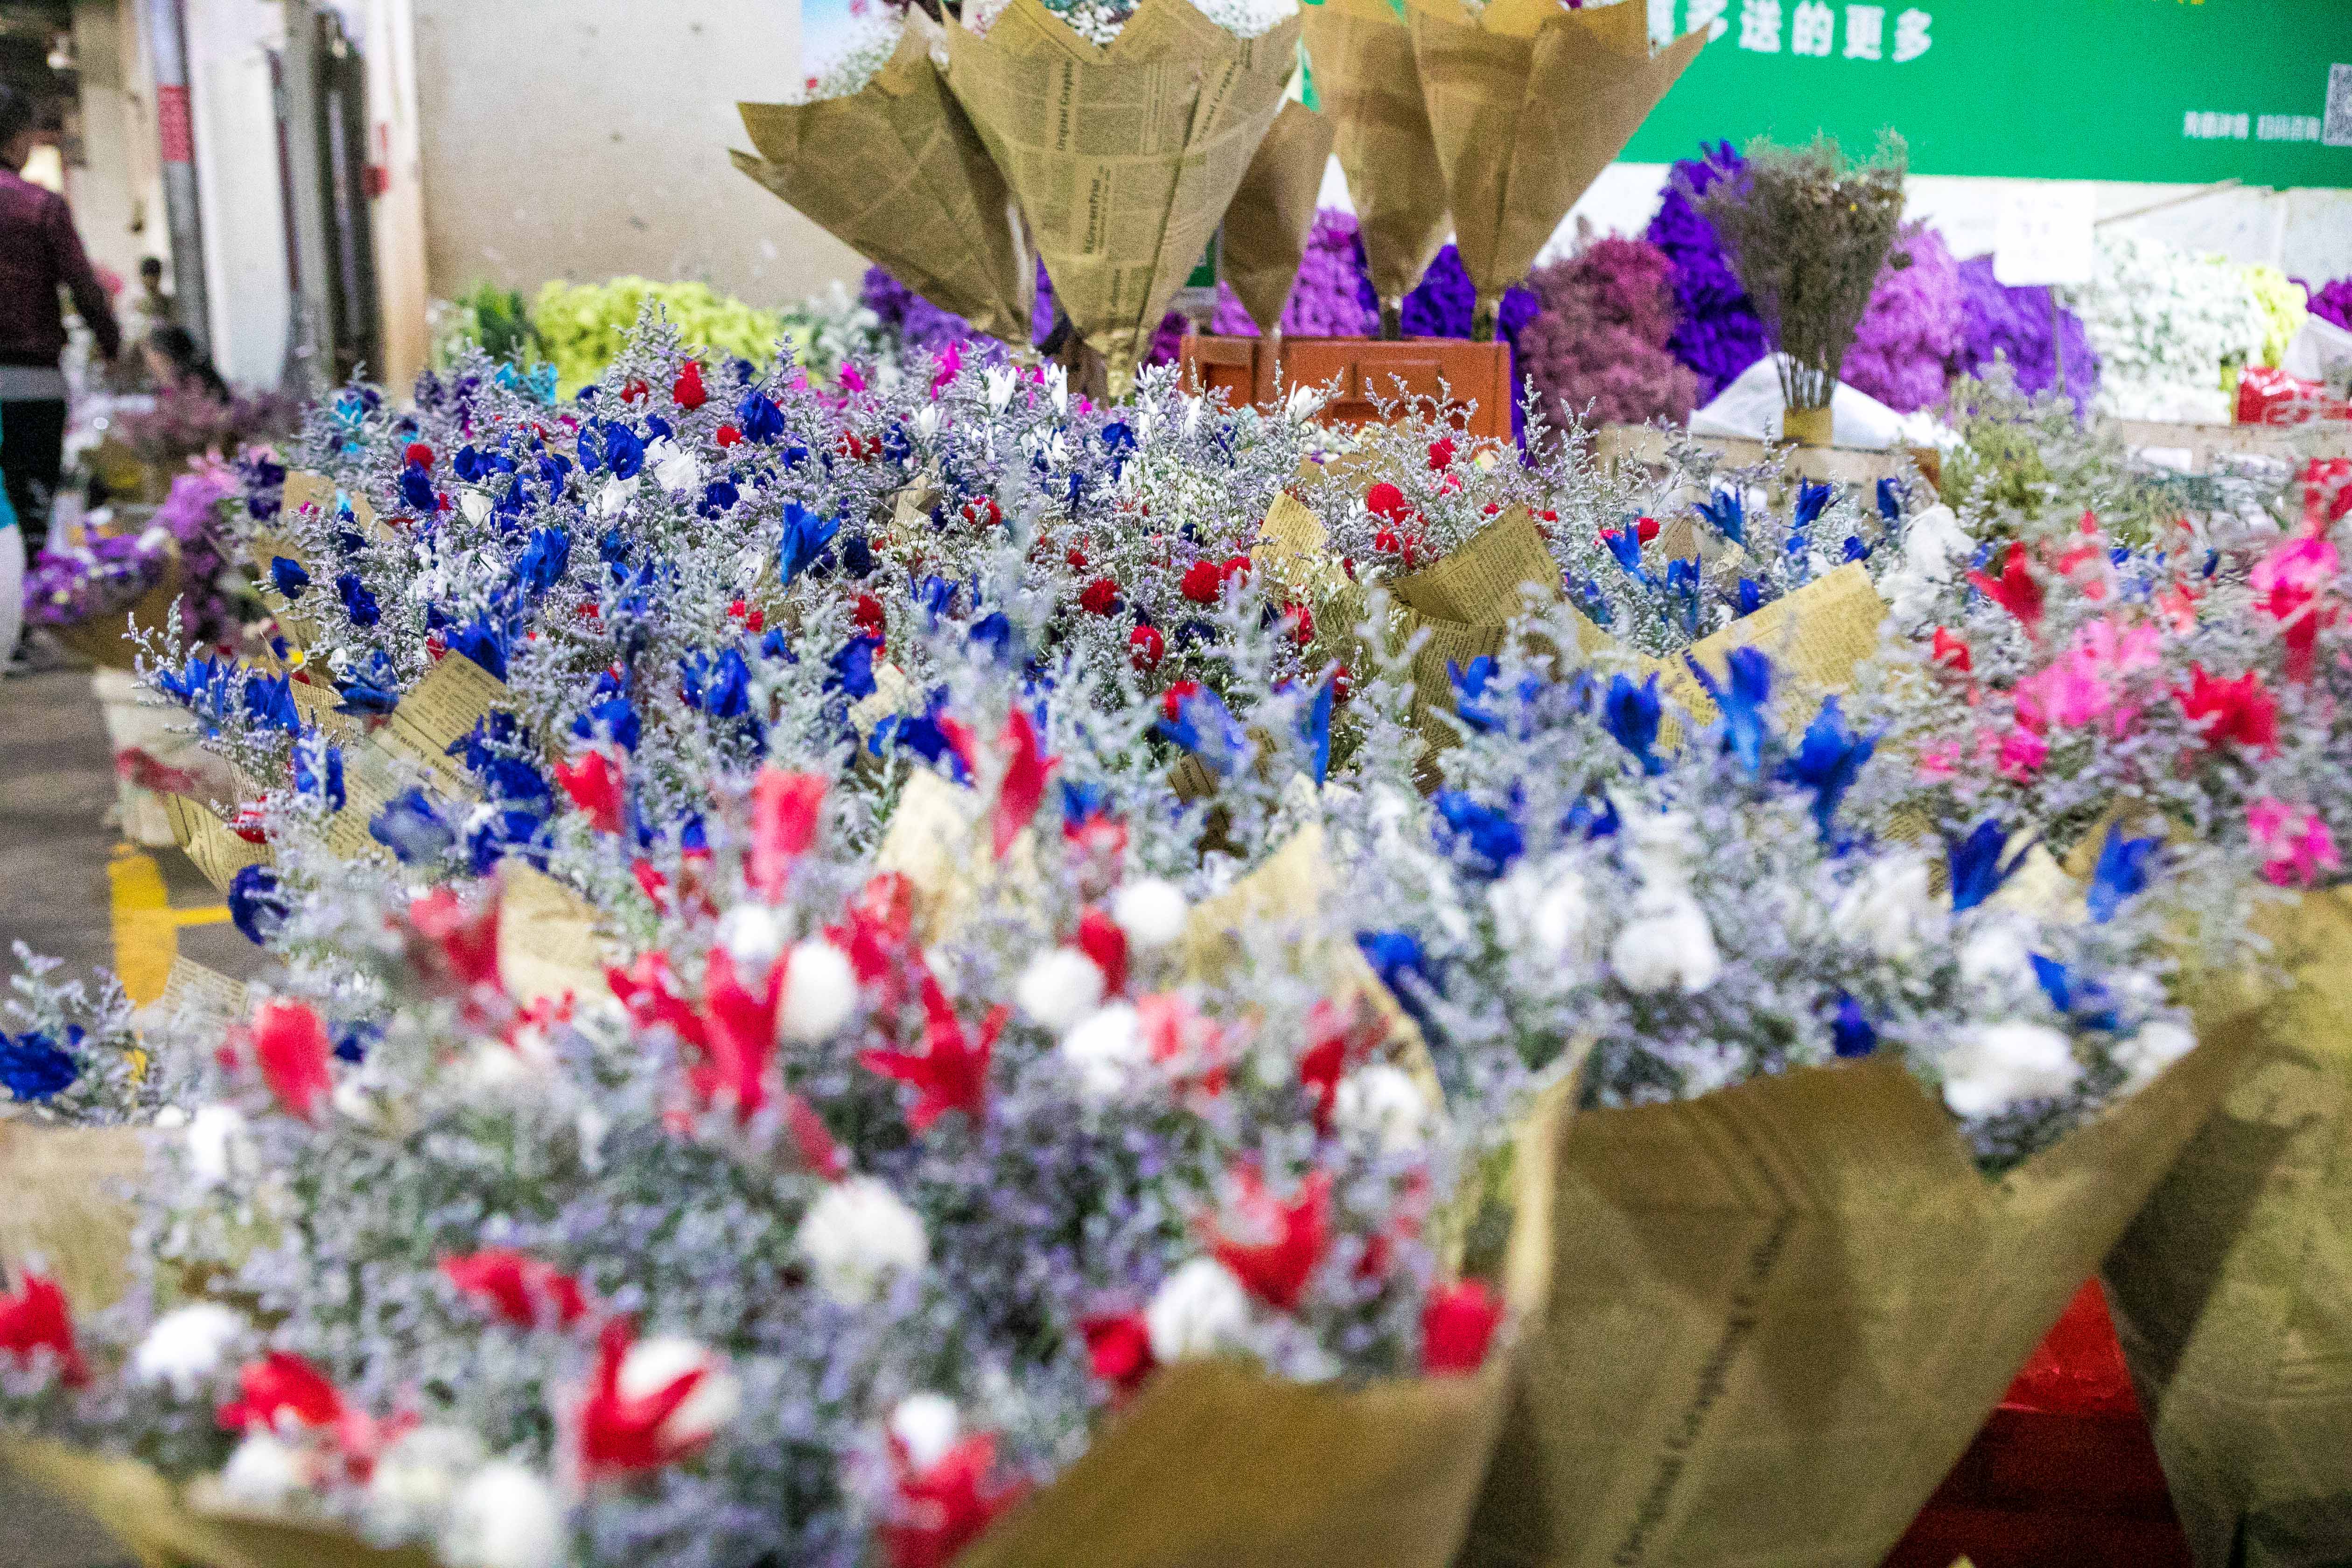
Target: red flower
(751, 617)
(636, 391)
(1456, 1325)
(2017, 590)
(951, 1070)
(1100, 598)
(2239, 710)
(1646, 528)
(1384, 499)
(687, 389)
(1202, 582)
(868, 615)
(1235, 566)
(622, 1434)
(1284, 1241)
(944, 1509)
(727, 436)
(1121, 1350)
(417, 455)
(877, 936)
(1146, 647)
(278, 1389)
(290, 1046)
(35, 1318)
(523, 1290)
(1337, 1039)
(983, 513)
(1441, 454)
(593, 782)
(1172, 700)
(1023, 788)
(1076, 558)
(1302, 623)
(1102, 940)
(466, 939)
(786, 811)
(738, 1035)
(1952, 652)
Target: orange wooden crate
(1455, 369)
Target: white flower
(1057, 387)
(519, 1065)
(1383, 1103)
(615, 498)
(857, 1235)
(505, 1517)
(2151, 1048)
(185, 1346)
(674, 469)
(1002, 380)
(927, 422)
(1105, 1050)
(1995, 954)
(1993, 1066)
(1192, 416)
(1150, 911)
(753, 936)
(1663, 845)
(820, 993)
(1057, 451)
(1198, 1310)
(219, 1147)
(1666, 946)
(1890, 908)
(927, 1425)
(1543, 909)
(1304, 403)
(264, 1472)
(654, 1364)
(417, 1479)
(1058, 987)
(476, 505)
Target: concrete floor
(57, 838)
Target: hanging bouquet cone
(1364, 68)
(1123, 156)
(896, 172)
(1266, 227)
(1527, 103)
(1778, 1313)
(2233, 1290)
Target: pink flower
(2287, 584)
(2022, 754)
(1939, 760)
(2295, 843)
(2069, 693)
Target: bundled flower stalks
(1528, 102)
(1808, 233)
(1175, 107)
(896, 172)
(1371, 87)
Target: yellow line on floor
(146, 927)
(209, 915)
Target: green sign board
(2186, 90)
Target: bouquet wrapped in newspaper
(1364, 69)
(1123, 156)
(896, 172)
(1528, 101)
(1265, 231)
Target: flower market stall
(932, 945)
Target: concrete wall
(237, 180)
(117, 193)
(590, 139)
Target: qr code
(2336, 130)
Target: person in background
(154, 303)
(175, 363)
(39, 253)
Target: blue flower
(2122, 872)
(544, 559)
(1890, 499)
(1813, 500)
(612, 719)
(1855, 550)
(1828, 761)
(857, 556)
(1315, 729)
(326, 782)
(480, 641)
(492, 752)
(269, 700)
(1728, 513)
(853, 667)
(720, 686)
(1487, 841)
(1082, 803)
(2083, 1002)
(924, 734)
(625, 451)
(805, 537)
(1632, 714)
(358, 604)
(1975, 866)
(416, 489)
(720, 496)
(33, 1070)
(201, 686)
(1682, 586)
(517, 832)
(1751, 598)
(993, 631)
(289, 578)
(412, 829)
(1851, 1033)
(1206, 727)
(374, 689)
(1625, 544)
(1589, 821)
(1471, 683)
(1743, 699)
(1397, 958)
(255, 904)
(469, 465)
(759, 418)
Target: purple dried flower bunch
(2333, 302)
(1597, 349)
(1717, 332)
(1909, 338)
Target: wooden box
(1357, 370)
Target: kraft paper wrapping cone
(1777, 1314)
(2232, 1292)
(1123, 156)
(63, 1208)
(896, 172)
(1371, 87)
(1817, 638)
(549, 944)
(1266, 227)
(1527, 103)
(1465, 604)
(1217, 1465)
